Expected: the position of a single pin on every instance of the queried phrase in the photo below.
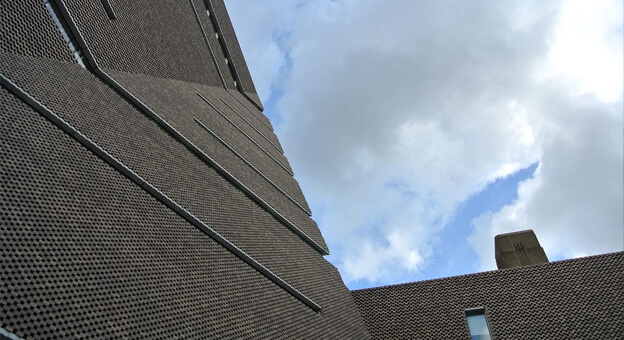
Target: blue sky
(418, 130)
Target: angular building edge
(143, 256)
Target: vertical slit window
(109, 9)
(477, 323)
(223, 47)
(70, 41)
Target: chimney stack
(520, 248)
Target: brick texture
(88, 254)
(23, 35)
(572, 299)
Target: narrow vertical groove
(223, 45)
(70, 40)
(212, 54)
(109, 9)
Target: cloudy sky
(418, 130)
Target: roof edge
(494, 271)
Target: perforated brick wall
(126, 133)
(87, 253)
(162, 38)
(179, 104)
(97, 111)
(28, 29)
(572, 299)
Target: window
(477, 324)
(69, 40)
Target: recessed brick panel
(158, 38)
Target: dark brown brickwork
(179, 103)
(132, 139)
(28, 29)
(261, 118)
(185, 48)
(162, 38)
(251, 116)
(572, 299)
(88, 254)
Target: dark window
(62, 26)
(477, 323)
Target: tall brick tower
(144, 193)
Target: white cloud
(394, 112)
(574, 202)
(373, 261)
(587, 48)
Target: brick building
(145, 195)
